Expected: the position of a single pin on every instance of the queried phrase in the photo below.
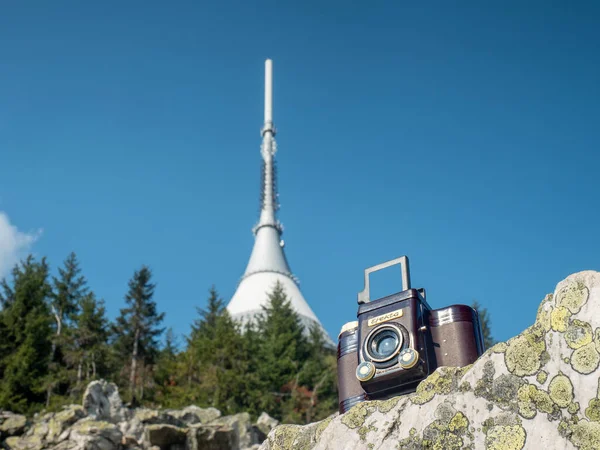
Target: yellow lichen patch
(561, 390)
(510, 437)
(439, 382)
(585, 435)
(597, 338)
(542, 376)
(578, 334)
(385, 406)
(284, 437)
(592, 412)
(543, 316)
(531, 399)
(522, 357)
(357, 415)
(321, 426)
(500, 347)
(458, 423)
(573, 408)
(573, 296)
(585, 359)
(559, 319)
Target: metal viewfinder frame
(364, 295)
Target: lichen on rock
(573, 296)
(559, 319)
(531, 400)
(357, 415)
(442, 381)
(585, 435)
(524, 353)
(585, 359)
(542, 377)
(509, 437)
(578, 334)
(560, 390)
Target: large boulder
(101, 401)
(538, 390)
(194, 414)
(11, 424)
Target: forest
(55, 338)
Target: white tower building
(268, 263)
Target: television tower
(268, 263)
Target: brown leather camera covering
(350, 391)
(454, 332)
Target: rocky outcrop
(102, 423)
(538, 390)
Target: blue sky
(464, 136)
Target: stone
(540, 389)
(246, 434)
(11, 424)
(101, 401)
(194, 414)
(266, 423)
(97, 435)
(164, 436)
(212, 437)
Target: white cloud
(14, 244)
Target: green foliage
(216, 349)
(56, 338)
(484, 319)
(137, 329)
(69, 290)
(26, 331)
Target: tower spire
(269, 203)
(268, 264)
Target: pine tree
(69, 288)
(217, 347)
(168, 373)
(282, 352)
(318, 378)
(91, 334)
(486, 323)
(137, 328)
(26, 324)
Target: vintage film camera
(399, 340)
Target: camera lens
(384, 343)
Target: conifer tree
(137, 328)
(68, 290)
(91, 334)
(26, 324)
(217, 347)
(486, 323)
(283, 349)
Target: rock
(193, 414)
(97, 435)
(246, 434)
(266, 423)
(212, 437)
(101, 401)
(60, 422)
(165, 436)
(11, 424)
(538, 390)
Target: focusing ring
(374, 332)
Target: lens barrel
(350, 392)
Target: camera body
(399, 340)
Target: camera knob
(408, 358)
(365, 371)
